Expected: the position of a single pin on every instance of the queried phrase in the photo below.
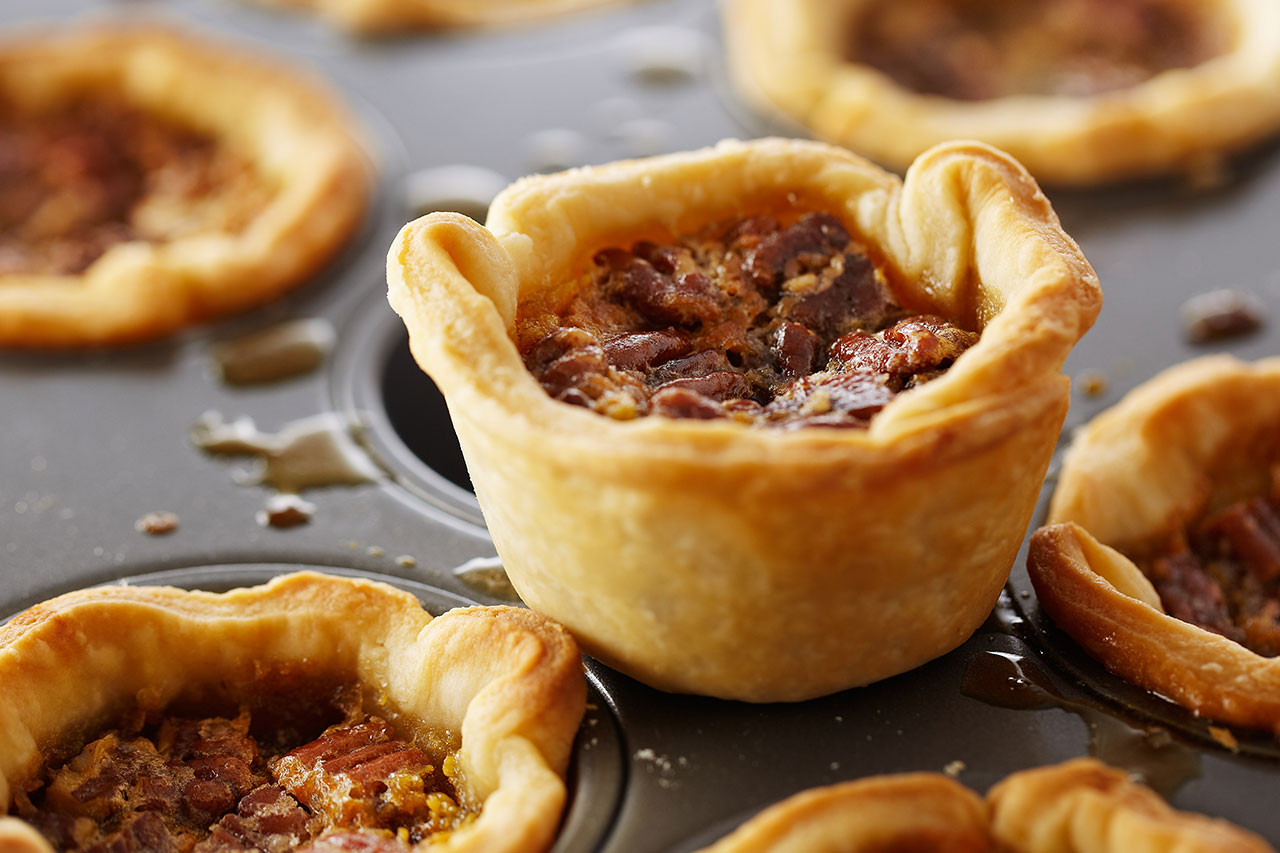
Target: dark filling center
(1223, 573)
(977, 49)
(77, 181)
(266, 779)
(749, 320)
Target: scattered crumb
(375, 551)
(955, 768)
(835, 765)
(406, 561)
(285, 510)
(157, 523)
(1221, 314)
(1092, 383)
(351, 544)
(1224, 738)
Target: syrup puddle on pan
(1009, 680)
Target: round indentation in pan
(596, 775)
(406, 422)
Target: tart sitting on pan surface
(1079, 806)
(378, 16)
(150, 180)
(756, 549)
(1162, 553)
(315, 713)
(1080, 91)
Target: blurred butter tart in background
(1162, 553)
(150, 180)
(1080, 91)
(760, 421)
(315, 713)
(385, 16)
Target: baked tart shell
(289, 128)
(1197, 437)
(786, 56)
(1079, 806)
(714, 558)
(508, 680)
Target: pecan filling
(748, 320)
(976, 49)
(76, 181)
(1223, 573)
(170, 783)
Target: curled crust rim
(290, 129)
(968, 230)
(509, 680)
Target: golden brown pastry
(1079, 806)
(1185, 461)
(1080, 91)
(717, 557)
(151, 180)
(376, 16)
(454, 732)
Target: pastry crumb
(375, 551)
(1221, 314)
(955, 768)
(1092, 383)
(406, 561)
(158, 523)
(1224, 737)
(285, 510)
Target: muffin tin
(94, 441)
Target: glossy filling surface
(1223, 572)
(976, 49)
(95, 173)
(750, 320)
(311, 773)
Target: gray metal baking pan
(93, 441)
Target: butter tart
(150, 180)
(1163, 545)
(719, 553)
(1080, 91)
(376, 16)
(1079, 806)
(314, 713)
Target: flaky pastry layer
(508, 680)
(787, 56)
(294, 134)
(764, 565)
(1079, 806)
(1194, 439)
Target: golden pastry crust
(714, 558)
(507, 679)
(1194, 439)
(293, 134)
(905, 811)
(377, 16)
(788, 56)
(1079, 806)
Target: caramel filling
(76, 181)
(1223, 573)
(269, 779)
(976, 49)
(750, 320)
